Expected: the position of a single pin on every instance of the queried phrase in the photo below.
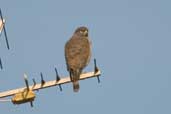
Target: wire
(5, 100)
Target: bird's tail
(76, 77)
(76, 86)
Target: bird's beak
(86, 33)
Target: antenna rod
(58, 78)
(96, 70)
(6, 38)
(31, 103)
(26, 81)
(34, 81)
(42, 80)
(1, 64)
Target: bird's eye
(81, 32)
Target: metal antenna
(58, 78)
(96, 70)
(27, 95)
(6, 38)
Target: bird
(77, 54)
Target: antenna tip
(3, 20)
(25, 76)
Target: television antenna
(27, 94)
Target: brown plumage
(77, 54)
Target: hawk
(77, 54)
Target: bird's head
(82, 31)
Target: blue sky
(131, 42)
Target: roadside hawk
(77, 55)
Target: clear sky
(131, 42)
